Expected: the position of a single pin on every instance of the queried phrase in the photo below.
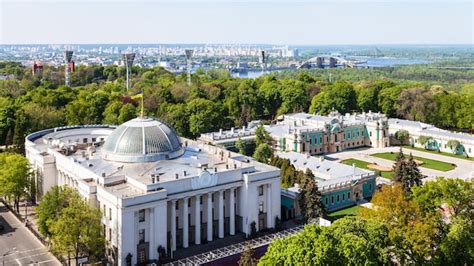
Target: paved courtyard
(464, 169)
(18, 246)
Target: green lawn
(351, 211)
(363, 165)
(427, 163)
(440, 153)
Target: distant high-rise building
(128, 59)
(70, 66)
(263, 60)
(189, 55)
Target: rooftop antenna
(69, 66)
(128, 61)
(189, 55)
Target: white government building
(154, 188)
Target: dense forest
(216, 100)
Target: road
(464, 168)
(28, 249)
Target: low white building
(439, 138)
(155, 189)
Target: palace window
(141, 215)
(337, 198)
(84, 140)
(332, 199)
(177, 206)
(260, 190)
(110, 234)
(327, 201)
(348, 195)
(343, 197)
(260, 207)
(141, 236)
(93, 139)
(189, 203)
(110, 214)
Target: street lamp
(11, 251)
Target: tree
(424, 140)
(412, 175)
(399, 168)
(310, 201)
(241, 146)
(50, 207)
(348, 241)
(261, 135)
(127, 112)
(341, 96)
(83, 236)
(263, 153)
(205, 116)
(246, 257)
(15, 175)
(454, 145)
(402, 136)
(413, 233)
(451, 195)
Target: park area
(351, 211)
(369, 166)
(423, 162)
(459, 156)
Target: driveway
(18, 246)
(464, 169)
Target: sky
(300, 22)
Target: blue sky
(301, 22)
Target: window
(141, 236)
(110, 214)
(177, 205)
(84, 140)
(370, 187)
(189, 203)
(104, 211)
(260, 190)
(223, 195)
(370, 133)
(348, 195)
(469, 150)
(93, 139)
(105, 230)
(343, 197)
(332, 199)
(141, 215)
(326, 201)
(212, 196)
(337, 198)
(260, 207)
(200, 199)
(110, 234)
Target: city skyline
(264, 22)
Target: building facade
(437, 138)
(341, 185)
(315, 134)
(156, 189)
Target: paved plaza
(464, 168)
(18, 246)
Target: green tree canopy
(15, 175)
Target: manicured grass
(351, 211)
(440, 153)
(363, 165)
(427, 163)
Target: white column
(173, 225)
(185, 223)
(197, 220)
(232, 211)
(209, 216)
(268, 206)
(152, 248)
(221, 213)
